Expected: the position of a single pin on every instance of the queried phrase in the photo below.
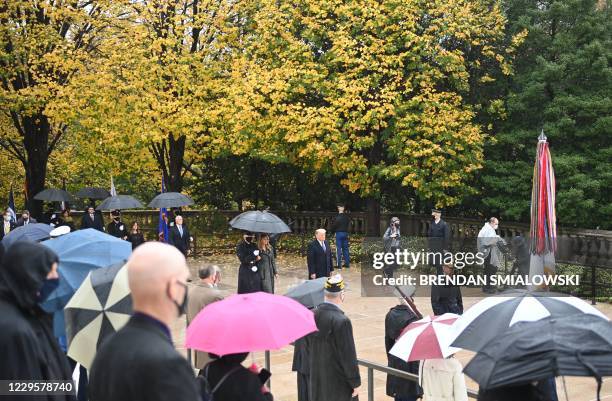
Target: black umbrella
(54, 195)
(170, 199)
(575, 345)
(309, 293)
(33, 232)
(493, 316)
(119, 202)
(259, 222)
(93, 193)
(100, 307)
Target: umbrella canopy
(492, 316)
(80, 252)
(249, 322)
(93, 193)
(576, 345)
(309, 293)
(259, 222)
(425, 339)
(54, 195)
(30, 232)
(170, 199)
(100, 307)
(119, 202)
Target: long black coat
(396, 320)
(241, 385)
(248, 280)
(266, 267)
(334, 372)
(439, 236)
(319, 261)
(97, 223)
(140, 363)
(180, 242)
(27, 345)
(117, 229)
(301, 365)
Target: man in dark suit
(319, 257)
(7, 224)
(178, 235)
(116, 228)
(139, 362)
(25, 219)
(91, 219)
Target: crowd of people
(140, 362)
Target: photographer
(392, 242)
(488, 243)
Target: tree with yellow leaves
(373, 91)
(43, 44)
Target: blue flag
(162, 227)
(11, 206)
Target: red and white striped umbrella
(427, 338)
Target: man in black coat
(91, 219)
(438, 238)
(396, 320)
(116, 228)
(446, 298)
(30, 351)
(318, 256)
(139, 362)
(249, 279)
(341, 226)
(25, 219)
(178, 235)
(334, 373)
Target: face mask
(48, 286)
(182, 307)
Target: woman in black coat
(267, 264)
(29, 349)
(249, 279)
(135, 236)
(239, 383)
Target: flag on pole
(162, 227)
(11, 206)
(543, 231)
(113, 191)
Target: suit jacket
(175, 238)
(97, 222)
(200, 295)
(20, 221)
(319, 261)
(12, 227)
(118, 229)
(140, 363)
(334, 372)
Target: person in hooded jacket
(396, 320)
(29, 350)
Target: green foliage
(562, 83)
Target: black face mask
(182, 307)
(48, 286)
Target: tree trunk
(35, 142)
(170, 157)
(373, 219)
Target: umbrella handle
(593, 371)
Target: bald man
(139, 362)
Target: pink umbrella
(427, 338)
(249, 322)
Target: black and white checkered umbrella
(492, 316)
(100, 307)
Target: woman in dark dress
(135, 236)
(267, 264)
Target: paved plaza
(367, 316)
